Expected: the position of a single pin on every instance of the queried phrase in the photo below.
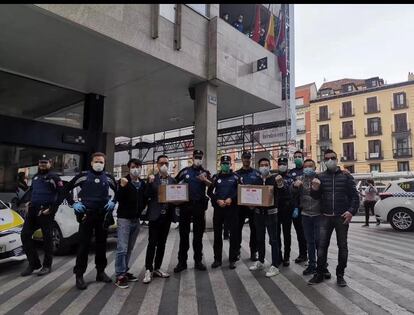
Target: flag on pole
(270, 37)
(281, 42)
(257, 23)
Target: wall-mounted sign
(212, 99)
(73, 139)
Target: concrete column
(109, 142)
(205, 131)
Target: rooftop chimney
(410, 76)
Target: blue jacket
(196, 188)
(295, 172)
(46, 191)
(224, 186)
(250, 176)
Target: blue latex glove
(110, 206)
(79, 208)
(295, 213)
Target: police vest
(94, 192)
(44, 191)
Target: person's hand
(345, 170)
(221, 203)
(46, 211)
(347, 217)
(279, 180)
(79, 208)
(228, 201)
(202, 177)
(298, 183)
(151, 179)
(109, 206)
(316, 184)
(295, 213)
(123, 182)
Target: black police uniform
(94, 195)
(248, 177)
(225, 186)
(46, 193)
(194, 210)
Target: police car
(11, 224)
(396, 205)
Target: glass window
(407, 186)
(200, 8)
(346, 109)
(167, 11)
(374, 125)
(400, 121)
(372, 104)
(375, 167)
(323, 112)
(404, 167)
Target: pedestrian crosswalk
(380, 276)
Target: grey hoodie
(308, 205)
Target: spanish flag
(270, 43)
(256, 30)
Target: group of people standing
(316, 204)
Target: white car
(396, 205)
(10, 229)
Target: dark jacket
(307, 204)
(277, 192)
(285, 201)
(224, 186)
(337, 192)
(154, 207)
(131, 201)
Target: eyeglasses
(163, 163)
(333, 158)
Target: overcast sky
(336, 41)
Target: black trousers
(31, 224)
(300, 234)
(246, 212)
(284, 216)
(92, 224)
(230, 216)
(157, 238)
(267, 222)
(369, 207)
(191, 211)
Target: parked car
(11, 223)
(396, 205)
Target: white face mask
(164, 169)
(198, 162)
(331, 165)
(136, 171)
(98, 167)
(282, 168)
(264, 170)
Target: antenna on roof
(324, 79)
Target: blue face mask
(309, 171)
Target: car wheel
(60, 245)
(402, 219)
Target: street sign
(260, 64)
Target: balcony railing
(346, 113)
(372, 132)
(372, 110)
(323, 117)
(405, 128)
(348, 157)
(395, 106)
(347, 134)
(402, 153)
(300, 131)
(374, 155)
(324, 138)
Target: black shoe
(180, 267)
(365, 225)
(300, 259)
(103, 277)
(340, 281)
(28, 271)
(232, 265)
(317, 278)
(130, 277)
(378, 223)
(122, 282)
(44, 271)
(326, 274)
(253, 257)
(216, 264)
(80, 283)
(286, 263)
(200, 266)
(309, 271)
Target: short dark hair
(161, 157)
(134, 161)
(327, 151)
(263, 159)
(309, 160)
(370, 181)
(98, 154)
(298, 151)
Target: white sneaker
(148, 276)
(161, 274)
(256, 266)
(307, 263)
(273, 271)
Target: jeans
(127, 232)
(246, 212)
(311, 227)
(297, 223)
(222, 216)
(265, 221)
(157, 238)
(327, 225)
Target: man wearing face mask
(239, 23)
(223, 194)
(93, 211)
(46, 194)
(197, 179)
(339, 202)
(248, 176)
(132, 202)
(284, 210)
(311, 213)
(296, 215)
(160, 216)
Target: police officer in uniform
(223, 194)
(197, 179)
(94, 213)
(248, 176)
(46, 194)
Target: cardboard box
(173, 193)
(255, 195)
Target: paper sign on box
(173, 193)
(255, 195)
